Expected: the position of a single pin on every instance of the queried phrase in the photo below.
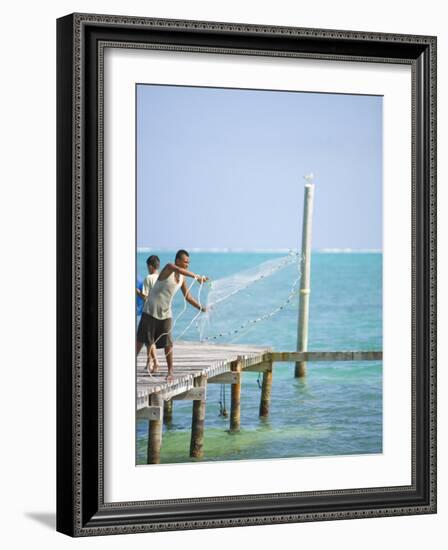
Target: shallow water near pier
(336, 409)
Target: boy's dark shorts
(154, 331)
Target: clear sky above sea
(223, 168)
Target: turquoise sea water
(337, 409)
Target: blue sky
(223, 168)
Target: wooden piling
(197, 422)
(168, 411)
(155, 432)
(235, 400)
(304, 299)
(266, 387)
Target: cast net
(245, 300)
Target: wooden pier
(195, 366)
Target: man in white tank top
(156, 323)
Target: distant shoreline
(265, 250)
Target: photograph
(259, 286)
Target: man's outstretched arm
(189, 298)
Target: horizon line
(262, 250)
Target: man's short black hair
(153, 261)
(181, 253)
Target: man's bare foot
(170, 376)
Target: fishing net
(235, 304)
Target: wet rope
(222, 401)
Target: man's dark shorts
(154, 331)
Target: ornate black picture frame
(81, 509)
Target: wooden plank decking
(192, 360)
(195, 359)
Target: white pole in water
(304, 299)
